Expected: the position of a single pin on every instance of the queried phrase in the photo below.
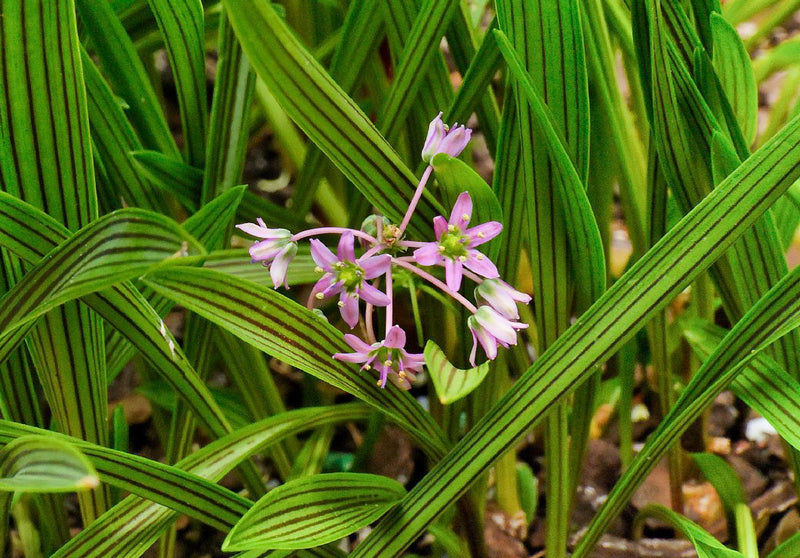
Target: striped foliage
(313, 511)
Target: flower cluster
(494, 317)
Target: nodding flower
(275, 251)
(489, 328)
(348, 277)
(502, 297)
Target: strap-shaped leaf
(116, 247)
(451, 383)
(684, 252)
(325, 113)
(43, 463)
(732, 64)
(40, 464)
(181, 24)
(773, 315)
(704, 543)
(584, 236)
(127, 74)
(115, 140)
(313, 511)
(282, 328)
(171, 176)
(165, 484)
(129, 528)
(230, 109)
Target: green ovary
(351, 275)
(453, 245)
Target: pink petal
(375, 266)
(488, 230)
(461, 209)
(373, 295)
(333, 289)
(455, 141)
(264, 250)
(439, 226)
(488, 342)
(349, 309)
(279, 267)
(254, 230)
(356, 358)
(322, 285)
(428, 254)
(346, 248)
(414, 361)
(395, 338)
(481, 265)
(322, 256)
(357, 343)
(453, 272)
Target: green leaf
(326, 114)
(705, 545)
(171, 176)
(732, 64)
(129, 528)
(315, 510)
(112, 249)
(772, 315)
(181, 24)
(451, 383)
(127, 74)
(39, 463)
(282, 328)
(584, 235)
(724, 479)
(230, 109)
(682, 254)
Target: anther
(319, 296)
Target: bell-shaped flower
(489, 328)
(443, 140)
(455, 244)
(502, 297)
(348, 277)
(388, 357)
(276, 250)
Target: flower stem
(368, 326)
(415, 200)
(436, 282)
(389, 317)
(334, 230)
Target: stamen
(465, 217)
(340, 304)
(318, 269)
(481, 235)
(441, 249)
(367, 367)
(462, 258)
(452, 228)
(479, 257)
(319, 296)
(387, 363)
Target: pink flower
(440, 140)
(276, 250)
(455, 244)
(387, 357)
(349, 277)
(490, 328)
(502, 297)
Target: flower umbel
(387, 357)
(348, 277)
(276, 250)
(490, 328)
(455, 244)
